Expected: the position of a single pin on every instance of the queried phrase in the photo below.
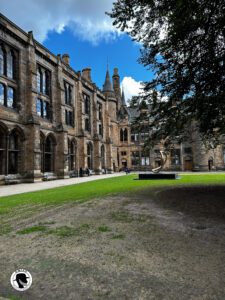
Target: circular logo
(21, 280)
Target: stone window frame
(44, 113)
(5, 101)
(87, 112)
(8, 151)
(44, 81)
(68, 93)
(7, 53)
(90, 153)
(69, 117)
(72, 151)
(123, 134)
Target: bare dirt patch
(163, 245)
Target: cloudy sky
(81, 29)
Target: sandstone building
(55, 121)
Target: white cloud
(131, 87)
(86, 18)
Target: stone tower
(116, 87)
(110, 95)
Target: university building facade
(55, 121)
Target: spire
(107, 87)
(123, 98)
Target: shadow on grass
(205, 201)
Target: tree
(183, 42)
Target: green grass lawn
(100, 188)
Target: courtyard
(117, 238)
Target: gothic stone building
(55, 121)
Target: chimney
(86, 73)
(66, 59)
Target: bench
(49, 176)
(12, 179)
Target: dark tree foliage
(184, 44)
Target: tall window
(100, 131)
(13, 153)
(86, 104)
(123, 135)
(2, 61)
(7, 62)
(2, 94)
(99, 111)
(145, 158)
(47, 154)
(68, 93)
(39, 80)
(43, 81)
(7, 96)
(103, 156)
(87, 111)
(10, 65)
(42, 150)
(43, 109)
(2, 151)
(10, 97)
(69, 117)
(89, 156)
(71, 154)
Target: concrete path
(7, 190)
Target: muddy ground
(163, 245)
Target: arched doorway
(47, 148)
(210, 163)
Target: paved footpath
(7, 190)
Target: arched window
(89, 156)
(10, 64)
(13, 156)
(49, 154)
(2, 151)
(2, 61)
(103, 156)
(125, 134)
(2, 94)
(71, 154)
(121, 135)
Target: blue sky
(81, 29)
(120, 52)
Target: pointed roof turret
(107, 87)
(123, 98)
